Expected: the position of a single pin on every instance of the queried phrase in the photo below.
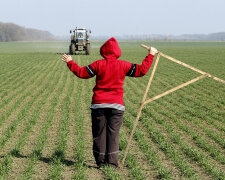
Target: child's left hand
(66, 58)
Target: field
(45, 124)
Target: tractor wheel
(70, 50)
(88, 52)
(73, 49)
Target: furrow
(58, 157)
(17, 87)
(17, 73)
(79, 143)
(15, 123)
(37, 155)
(189, 150)
(12, 127)
(21, 101)
(17, 152)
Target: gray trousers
(106, 123)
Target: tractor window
(80, 35)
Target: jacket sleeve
(136, 70)
(84, 72)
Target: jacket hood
(110, 49)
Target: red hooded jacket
(110, 73)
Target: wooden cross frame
(143, 102)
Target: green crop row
(30, 124)
(190, 151)
(37, 152)
(28, 92)
(24, 110)
(201, 141)
(79, 141)
(17, 73)
(131, 162)
(58, 156)
(12, 92)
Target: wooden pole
(176, 88)
(140, 109)
(216, 78)
(144, 46)
(187, 65)
(191, 67)
(181, 63)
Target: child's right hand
(153, 51)
(66, 58)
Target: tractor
(80, 41)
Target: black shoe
(101, 165)
(113, 166)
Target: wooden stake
(181, 63)
(140, 109)
(144, 46)
(216, 78)
(186, 65)
(191, 67)
(176, 88)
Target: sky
(117, 17)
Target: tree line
(13, 32)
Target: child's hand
(153, 51)
(66, 58)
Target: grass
(180, 136)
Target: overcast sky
(117, 17)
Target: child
(107, 101)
